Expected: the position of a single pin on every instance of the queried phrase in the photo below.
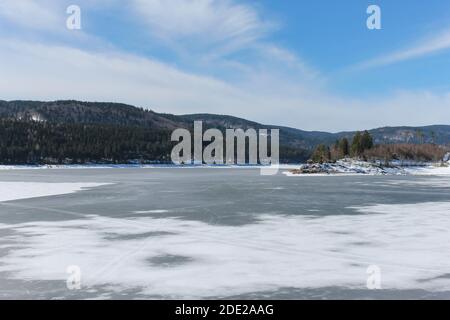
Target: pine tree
(344, 147)
(356, 144)
(366, 141)
(321, 154)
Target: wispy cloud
(33, 15)
(221, 25)
(423, 48)
(38, 71)
(212, 34)
(270, 84)
(49, 72)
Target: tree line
(342, 148)
(31, 142)
(362, 147)
(35, 142)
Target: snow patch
(442, 170)
(151, 211)
(23, 190)
(409, 243)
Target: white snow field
(24, 190)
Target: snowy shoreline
(143, 166)
(356, 167)
(343, 167)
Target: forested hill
(69, 111)
(71, 131)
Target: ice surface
(408, 242)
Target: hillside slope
(70, 111)
(34, 131)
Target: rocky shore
(352, 166)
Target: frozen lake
(222, 233)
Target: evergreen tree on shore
(366, 141)
(361, 142)
(344, 149)
(356, 149)
(321, 154)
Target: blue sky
(308, 64)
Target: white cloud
(425, 47)
(36, 71)
(273, 86)
(203, 23)
(44, 72)
(30, 14)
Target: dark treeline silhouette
(31, 142)
(69, 131)
(34, 142)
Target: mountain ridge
(295, 144)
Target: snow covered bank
(341, 167)
(23, 190)
(429, 170)
(351, 167)
(77, 166)
(144, 166)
